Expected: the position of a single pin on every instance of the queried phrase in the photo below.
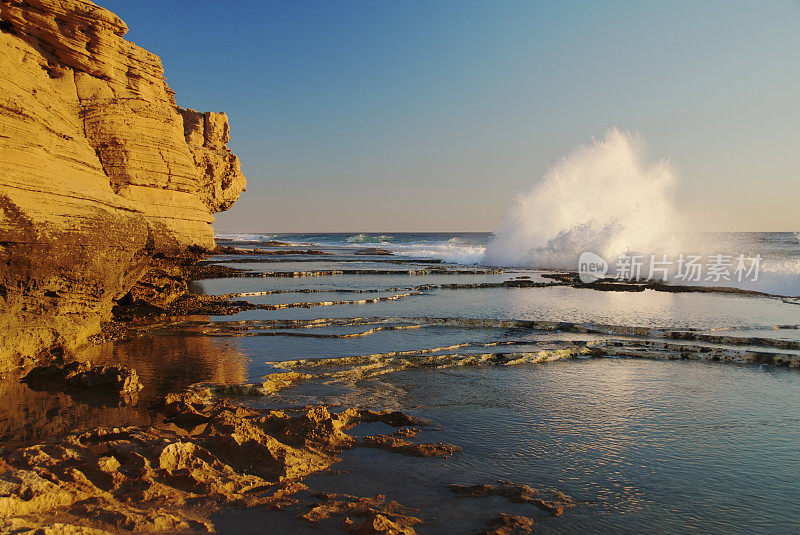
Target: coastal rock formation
(362, 367)
(504, 524)
(100, 171)
(113, 380)
(398, 442)
(552, 501)
(379, 515)
(271, 384)
(171, 477)
(207, 135)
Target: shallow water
(648, 308)
(779, 251)
(342, 282)
(642, 446)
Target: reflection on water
(645, 446)
(164, 363)
(649, 308)
(171, 363)
(665, 447)
(28, 416)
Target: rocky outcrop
(100, 171)
(552, 501)
(379, 515)
(171, 478)
(116, 380)
(271, 384)
(504, 524)
(207, 135)
(398, 442)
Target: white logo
(591, 267)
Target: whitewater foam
(243, 237)
(606, 198)
(454, 250)
(602, 198)
(366, 238)
(450, 251)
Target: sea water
(642, 446)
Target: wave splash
(605, 198)
(602, 198)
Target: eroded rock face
(207, 135)
(99, 171)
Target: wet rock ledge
(210, 454)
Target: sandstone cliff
(100, 171)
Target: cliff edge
(100, 172)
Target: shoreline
(200, 452)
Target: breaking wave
(451, 251)
(608, 199)
(455, 250)
(602, 198)
(366, 238)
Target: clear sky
(412, 116)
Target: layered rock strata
(100, 171)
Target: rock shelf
(212, 454)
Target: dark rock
(114, 380)
(374, 251)
(550, 500)
(504, 524)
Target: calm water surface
(642, 446)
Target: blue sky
(393, 116)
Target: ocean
(779, 271)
